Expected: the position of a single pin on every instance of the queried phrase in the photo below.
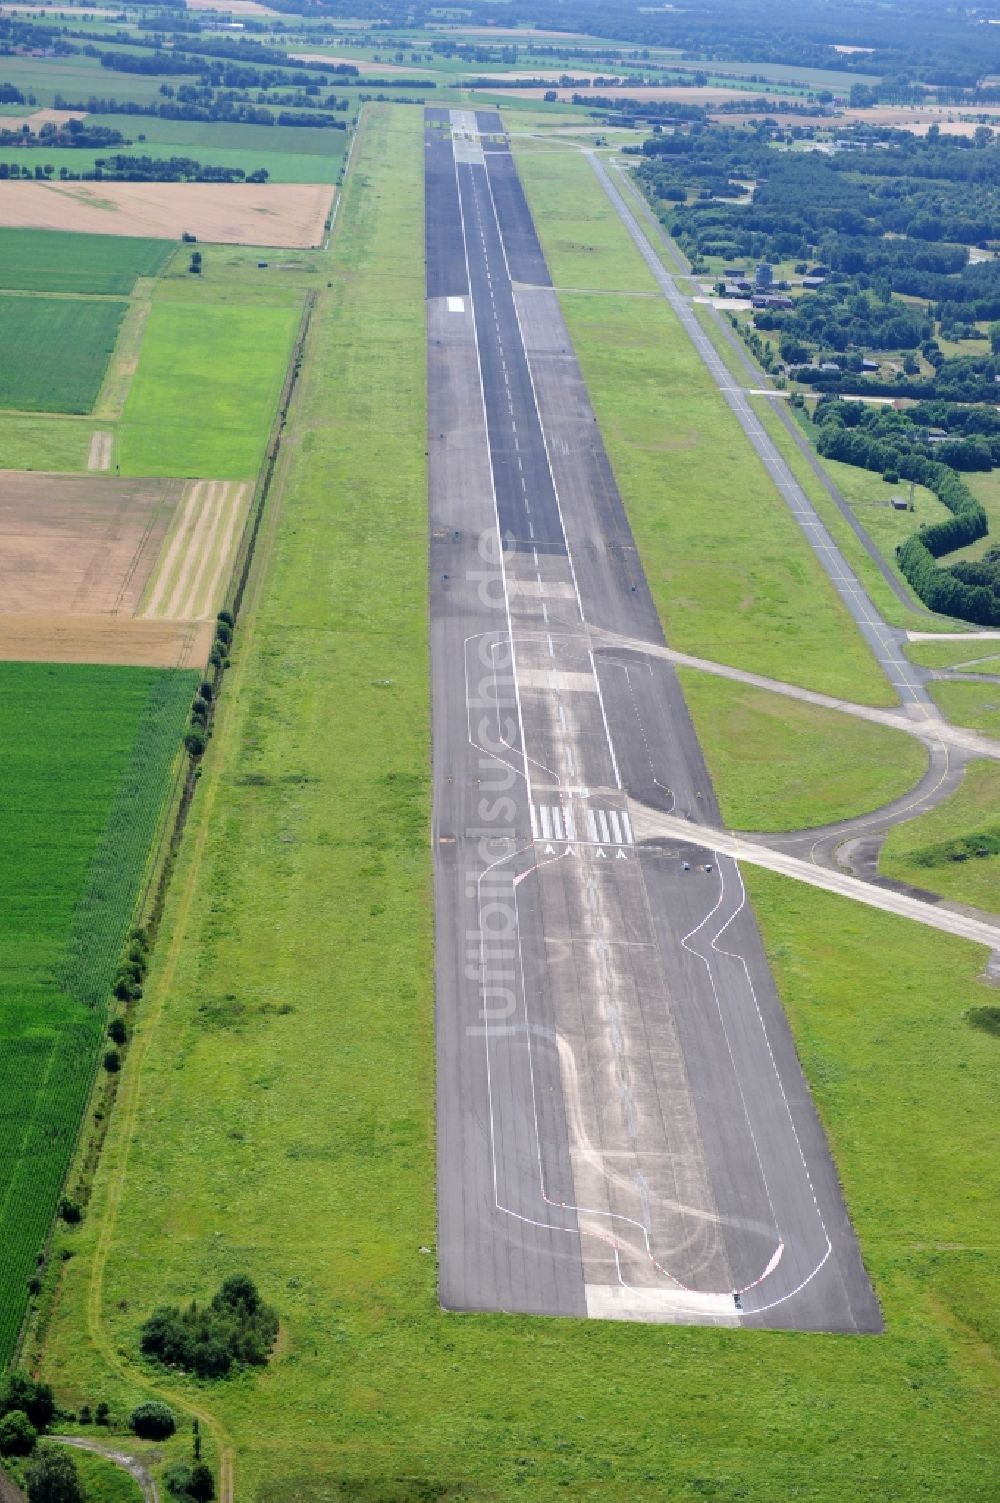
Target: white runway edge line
(904, 678)
(610, 1238)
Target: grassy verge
(283, 1118)
(977, 657)
(778, 764)
(941, 849)
(974, 705)
(733, 577)
(885, 600)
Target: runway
(623, 1127)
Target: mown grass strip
(779, 764)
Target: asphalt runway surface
(623, 1127)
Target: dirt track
(279, 214)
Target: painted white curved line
(609, 1240)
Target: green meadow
(955, 848)
(54, 351)
(58, 261)
(732, 576)
(281, 166)
(282, 1118)
(203, 397)
(43, 441)
(780, 764)
(84, 770)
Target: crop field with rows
(84, 776)
(55, 261)
(54, 351)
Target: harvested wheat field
(279, 214)
(35, 119)
(105, 639)
(193, 568)
(233, 7)
(76, 543)
(99, 569)
(363, 64)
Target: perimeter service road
(623, 1127)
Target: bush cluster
(207, 1340)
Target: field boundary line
(110, 403)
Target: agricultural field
(236, 213)
(258, 1135)
(84, 781)
(75, 544)
(281, 166)
(56, 261)
(44, 441)
(54, 351)
(226, 362)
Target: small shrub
(85, 1415)
(102, 1414)
(153, 1420)
(986, 1018)
(117, 1030)
(227, 618)
(112, 1060)
(195, 743)
(70, 1210)
(177, 1479)
(17, 1434)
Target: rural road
(624, 1130)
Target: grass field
(778, 764)
(282, 1120)
(54, 351)
(923, 851)
(43, 442)
(55, 261)
(732, 575)
(83, 780)
(191, 136)
(975, 657)
(281, 166)
(203, 398)
(971, 704)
